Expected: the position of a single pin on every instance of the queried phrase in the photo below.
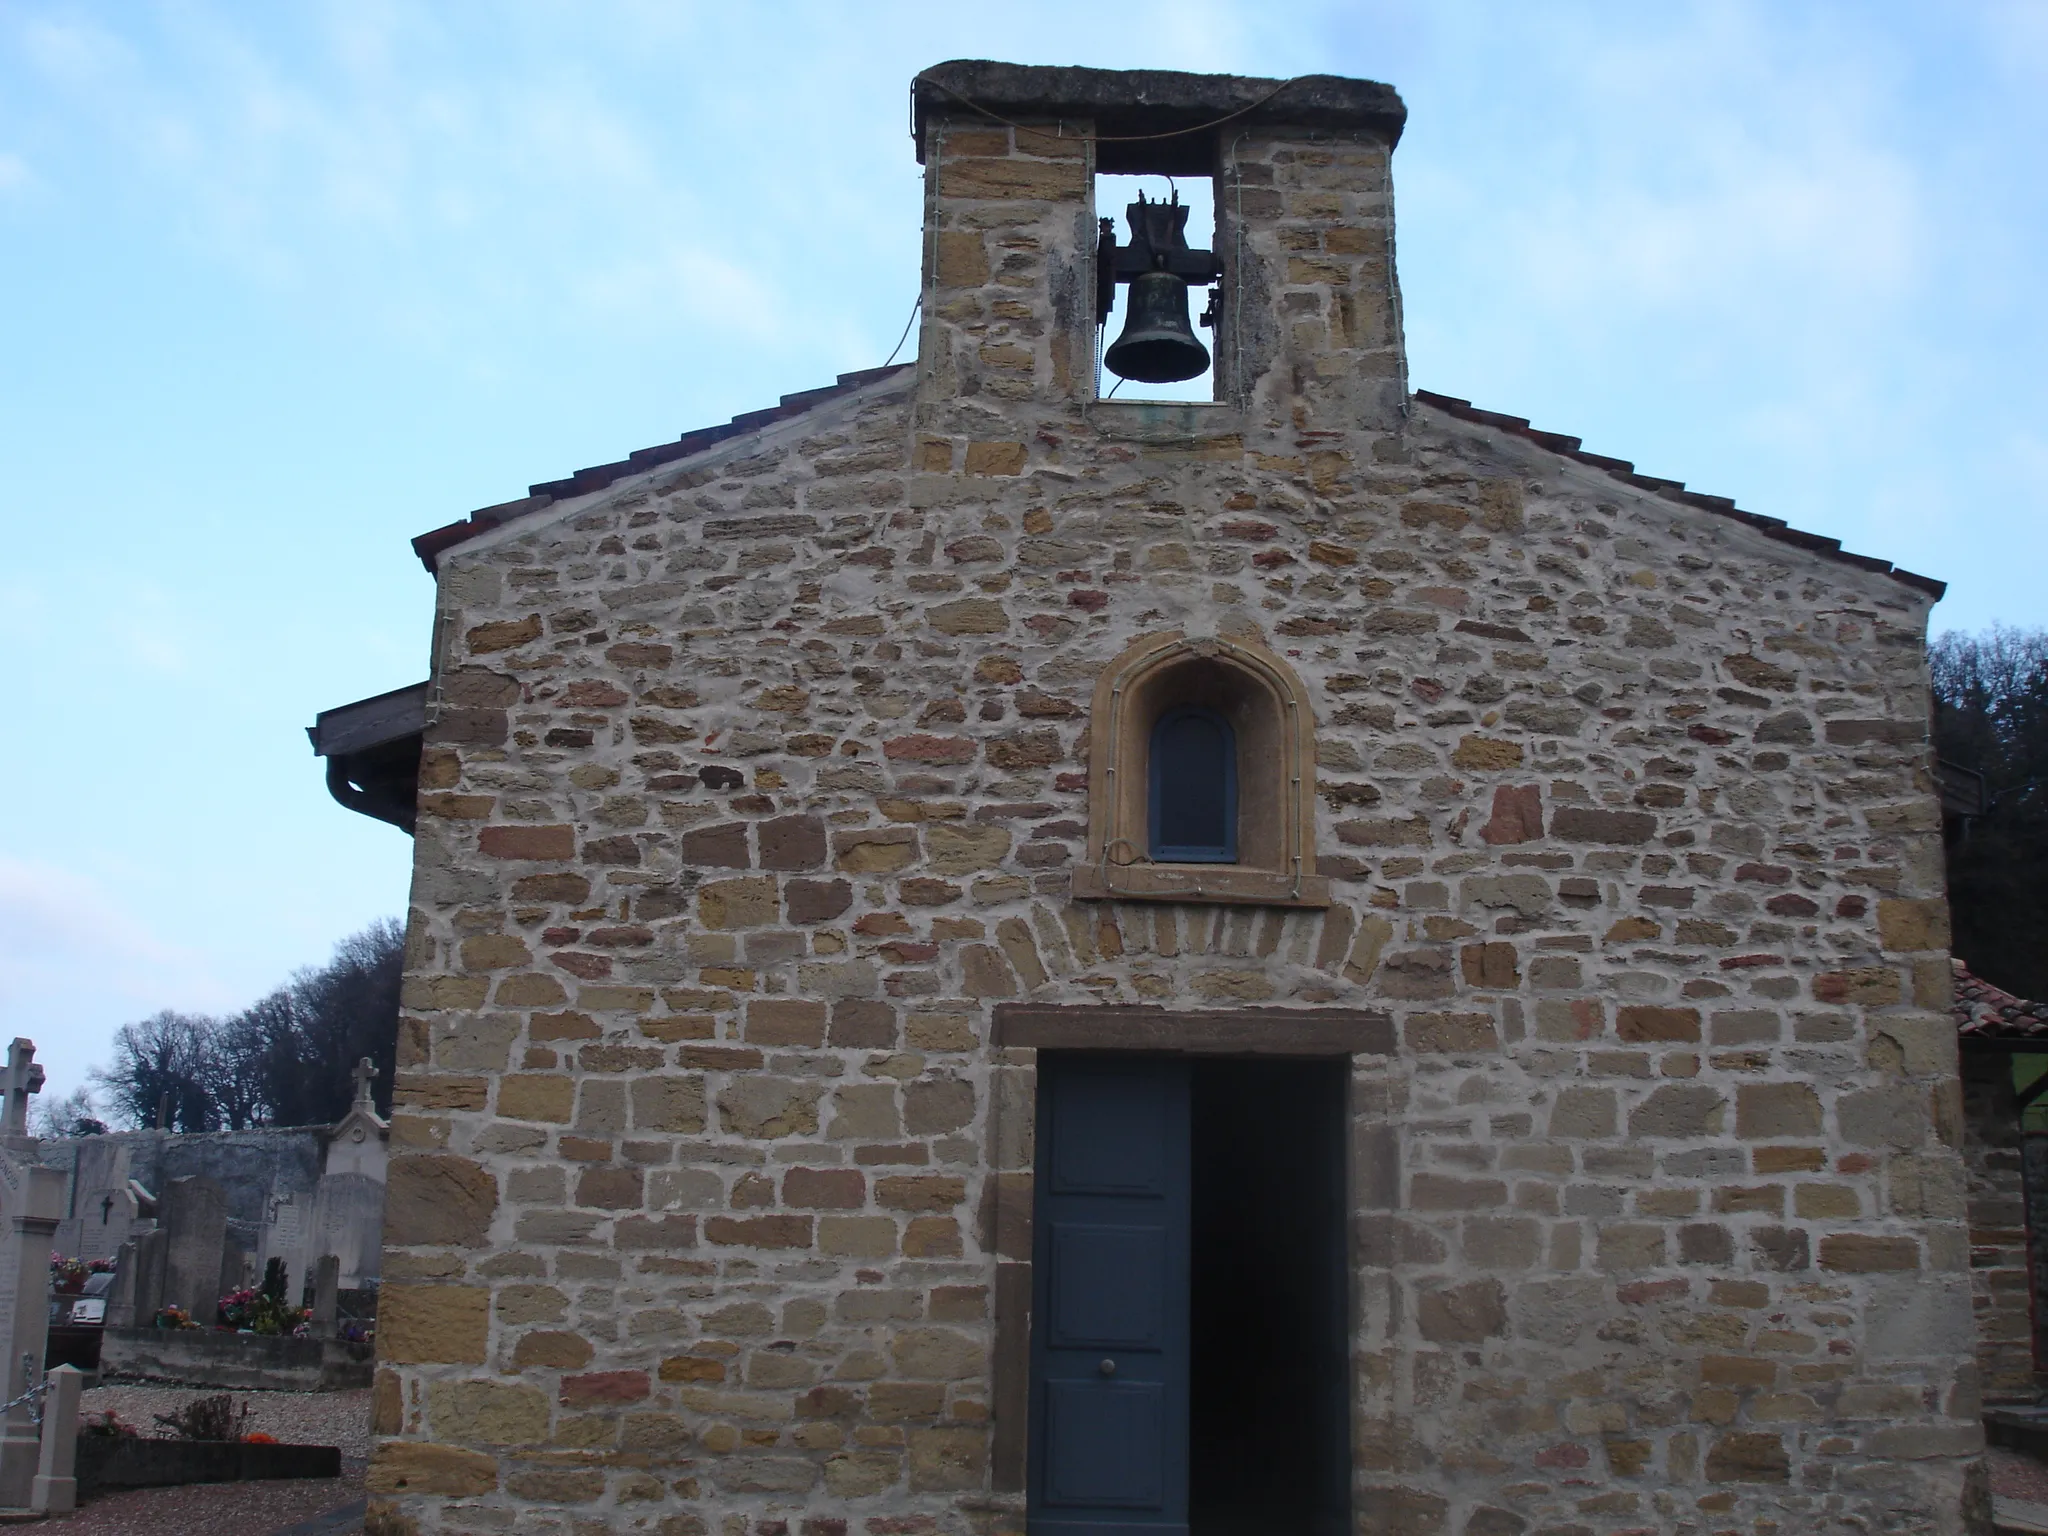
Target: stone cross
(364, 1072)
(24, 1077)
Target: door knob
(1108, 1368)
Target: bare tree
(1991, 715)
(287, 1059)
(73, 1115)
(166, 1057)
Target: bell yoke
(1159, 345)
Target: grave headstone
(152, 1250)
(104, 1208)
(234, 1270)
(194, 1217)
(31, 1202)
(326, 1298)
(121, 1294)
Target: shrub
(206, 1418)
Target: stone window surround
(1277, 811)
(1022, 1029)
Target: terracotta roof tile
(429, 546)
(1985, 1012)
(1621, 469)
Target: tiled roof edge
(431, 545)
(1985, 1012)
(1674, 490)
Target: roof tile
(1621, 469)
(431, 545)
(1985, 1012)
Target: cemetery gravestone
(326, 1285)
(195, 1223)
(122, 1294)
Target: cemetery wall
(279, 1201)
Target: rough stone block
(1772, 1111)
(487, 1413)
(793, 843)
(1864, 1253)
(785, 1021)
(1584, 1113)
(746, 903)
(1585, 824)
(1643, 1023)
(1905, 926)
(1451, 1032)
(1678, 1111)
(433, 1324)
(1873, 986)
(437, 1200)
(720, 847)
(537, 843)
(1462, 1314)
(414, 1468)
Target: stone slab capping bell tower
(985, 959)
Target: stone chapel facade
(819, 1115)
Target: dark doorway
(1190, 1347)
(1269, 1426)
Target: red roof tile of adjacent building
(1985, 1012)
(1674, 490)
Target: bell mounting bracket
(1158, 244)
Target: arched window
(1201, 777)
(1193, 798)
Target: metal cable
(914, 308)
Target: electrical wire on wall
(914, 308)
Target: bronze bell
(1158, 345)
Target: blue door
(1109, 1334)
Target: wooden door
(1109, 1336)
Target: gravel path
(234, 1509)
(217, 1509)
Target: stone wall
(244, 1362)
(2001, 1257)
(755, 782)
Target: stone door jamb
(1021, 1030)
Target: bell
(1158, 345)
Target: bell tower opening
(1170, 308)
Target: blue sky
(284, 285)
